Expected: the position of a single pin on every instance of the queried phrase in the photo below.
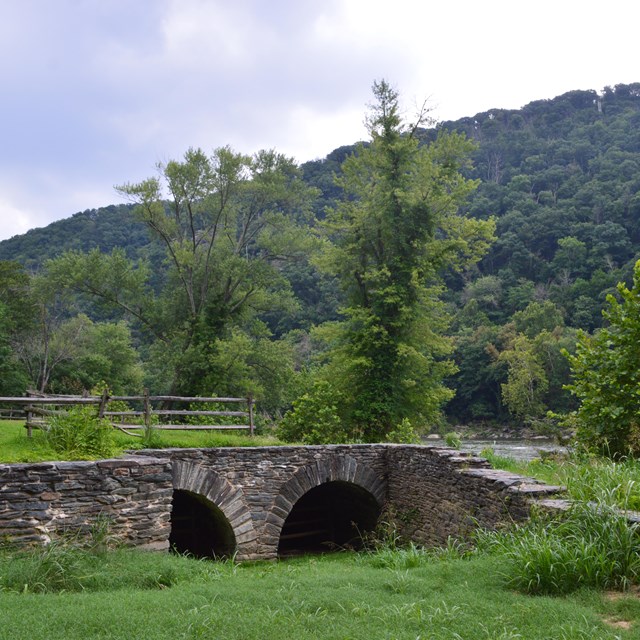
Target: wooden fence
(36, 408)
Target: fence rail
(36, 407)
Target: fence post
(29, 424)
(147, 416)
(250, 403)
(103, 403)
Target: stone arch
(197, 479)
(329, 469)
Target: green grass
(589, 546)
(588, 479)
(15, 446)
(131, 594)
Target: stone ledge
(537, 488)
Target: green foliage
(232, 239)
(599, 480)
(230, 222)
(387, 240)
(79, 433)
(526, 381)
(13, 378)
(606, 377)
(314, 418)
(103, 353)
(592, 546)
(404, 432)
(453, 440)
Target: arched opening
(199, 528)
(331, 516)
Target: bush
(453, 440)
(80, 434)
(314, 418)
(606, 373)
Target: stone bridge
(263, 502)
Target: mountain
(105, 228)
(561, 178)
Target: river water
(523, 450)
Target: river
(512, 448)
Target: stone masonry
(48, 499)
(433, 492)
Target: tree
(227, 222)
(13, 380)
(103, 354)
(390, 239)
(526, 384)
(606, 377)
(16, 318)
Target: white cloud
(15, 220)
(95, 93)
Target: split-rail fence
(152, 412)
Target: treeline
(233, 275)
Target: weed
(52, 568)
(453, 440)
(399, 582)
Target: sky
(95, 93)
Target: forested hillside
(560, 178)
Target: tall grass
(94, 564)
(590, 546)
(587, 478)
(593, 545)
(603, 480)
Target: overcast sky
(95, 92)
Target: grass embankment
(15, 446)
(126, 594)
(587, 479)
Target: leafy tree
(227, 223)
(538, 317)
(523, 392)
(606, 377)
(479, 374)
(13, 379)
(16, 317)
(396, 230)
(52, 338)
(104, 354)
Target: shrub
(314, 418)
(606, 373)
(79, 433)
(453, 440)
(404, 433)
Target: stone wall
(433, 492)
(436, 493)
(41, 501)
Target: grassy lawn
(63, 592)
(15, 446)
(345, 596)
